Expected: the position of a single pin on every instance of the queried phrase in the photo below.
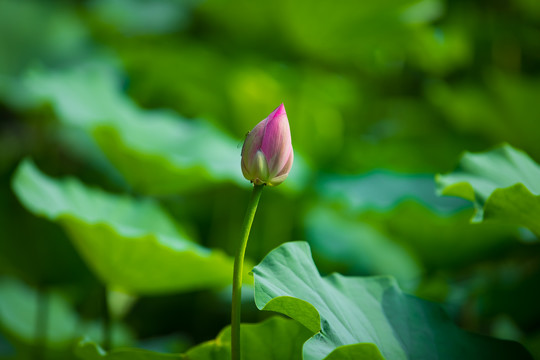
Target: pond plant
(267, 158)
(405, 226)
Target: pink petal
(276, 143)
(253, 143)
(288, 165)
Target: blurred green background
(150, 101)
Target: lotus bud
(267, 154)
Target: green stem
(42, 319)
(238, 270)
(106, 319)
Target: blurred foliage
(121, 238)
(21, 306)
(144, 105)
(502, 184)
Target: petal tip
(280, 110)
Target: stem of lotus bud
(238, 270)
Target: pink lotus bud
(267, 154)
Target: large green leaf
(503, 183)
(355, 315)
(274, 338)
(132, 244)
(158, 152)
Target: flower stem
(41, 325)
(106, 315)
(238, 270)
